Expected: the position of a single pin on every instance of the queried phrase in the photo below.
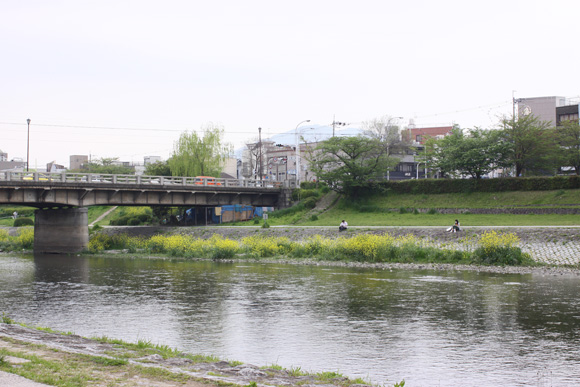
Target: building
(16, 164)
(230, 170)
(277, 162)
(54, 167)
(410, 165)
(418, 136)
(566, 113)
(151, 159)
(78, 162)
(542, 107)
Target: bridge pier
(285, 198)
(63, 230)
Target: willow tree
(200, 155)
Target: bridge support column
(64, 230)
(285, 198)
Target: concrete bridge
(61, 221)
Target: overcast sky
(124, 78)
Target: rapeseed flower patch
(490, 248)
(26, 237)
(500, 249)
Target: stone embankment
(551, 245)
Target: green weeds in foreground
(75, 370)
(6, 319)
(23, 240)
(490, 248)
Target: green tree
(533, 145)
(158, 168)
(569, 140)
(388, 135)
(474, 154)
(349, 165)
(109, 165)
(196, 155)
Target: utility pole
(260, 152)
(28, 146)
(334, 123)
(514, 102)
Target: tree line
(522, 146)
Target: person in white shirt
(343, 225)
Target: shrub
(314, 218)
(25, 238)
(134, 222)
(222, 248)
(310, 202)
(499, 249)
(287, 211)
(145, 218)
(19, 222)
(120, 221)
(403, 210)
(438, 186)
(301, 194)
(261, 246)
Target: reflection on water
(429, 328)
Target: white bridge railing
(101, 178)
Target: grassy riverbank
(438, 210)
(68, 360)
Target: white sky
(119, 78)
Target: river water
(430, 328)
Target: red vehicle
(206, 180)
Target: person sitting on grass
(343, 225)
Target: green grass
(66, 369)
(333, 217)
(559, 198)
(95, 211)
(376, 211)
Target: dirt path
(103, 216)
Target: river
(431, 328)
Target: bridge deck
(77, 189)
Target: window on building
(569, 117)
(404, 167)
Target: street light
(298, 153)
(28, 145)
